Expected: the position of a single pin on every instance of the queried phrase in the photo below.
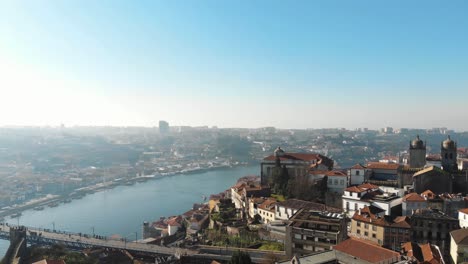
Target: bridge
(40, 236)
(82, 241)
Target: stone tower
(448, 154)
(417, 153)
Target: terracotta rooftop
(354, 189)
(402, 222)
(464, 210)
(368, 186)
(383, 166)
(268, 204)
(358, 167)
(335, 173)
(428, 194)
(366, 251)
(370, 214)
(413, 197)
(426, 253)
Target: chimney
(359, 212)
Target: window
(341, 182)
(359, 231)
(347, 206)
(374, 235)
(366, 233)
(358, 224)
(355, 207)
(335, 182)
(330, 181)
(374, 228)
(357, 172)
(366, 226)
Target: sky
(288, 64)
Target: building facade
(311, 231)
(417, 153)
(433, 226)
(297, 164)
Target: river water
(123, 209)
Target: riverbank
(54, 200)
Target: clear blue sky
(289, 64)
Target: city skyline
(242, 64)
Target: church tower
(448, 153)
(417, 153)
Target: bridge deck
(75, 240)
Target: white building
(267, 210)
(357, 174)
(357, 197)
(412, 202)
(463, 217)
(337, 181)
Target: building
(310, 231)
(412, 202)
(434, 179)
(163, 127)
(266, 210)
(448, 153)
(422, 254)
(417, 153)
(381, 173)
(297, 164)
(463, 217)
(286, 209)
(357, 197)
(433, 226)
(372, 224)
(247, 189)
(459, 246)
(357, 251)
(357, 174)
(337, 181)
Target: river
(123, 209)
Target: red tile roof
(426, 253)
(335, 173)
(368, 186)
(464, 210)
(413, 197)
(383, 166)
(428, 194)
(354, 189)
(402, 222)
(268, 204)
(366, 251)
(358, 167)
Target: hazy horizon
(320, 64)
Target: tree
(256, 219)
(240, 257)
